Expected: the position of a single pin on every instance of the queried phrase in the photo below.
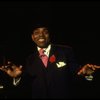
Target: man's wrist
(16, 81)
(89, 77)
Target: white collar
(47, 50)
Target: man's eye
(36, 33)
(46, 32)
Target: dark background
(73, 23)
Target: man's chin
(42, 46)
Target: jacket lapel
(37, 65)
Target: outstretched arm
(88, 70)
(12, 69)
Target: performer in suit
(51, 70)
(54, 79)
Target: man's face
(41, 37)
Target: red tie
(43, 57)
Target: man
(55, 76)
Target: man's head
(41, 37)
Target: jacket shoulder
(62, 46)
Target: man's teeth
(41, 40)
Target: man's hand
(12, 69)
(88, 69)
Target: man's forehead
(40, 28)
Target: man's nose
(41, 34)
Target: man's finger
(20, 66)
(95, 66)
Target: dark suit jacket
(53, 81)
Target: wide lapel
(36, 65)
(57, 52)
(52, 53)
